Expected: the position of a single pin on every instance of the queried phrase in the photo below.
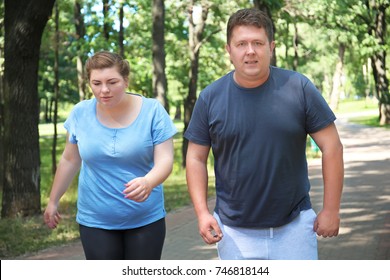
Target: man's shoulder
(217, 86)
(286, 73)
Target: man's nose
(250, 49)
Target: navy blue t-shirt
(258, 139)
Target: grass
(369, 121)
(366, 112)
(360, 105)
(23, 235)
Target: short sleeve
(318, 113)
(70, 126)
(198, 128)
(163, 127)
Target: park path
(365, 214)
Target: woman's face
(108, 86)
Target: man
(256, 120)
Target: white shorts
(295, 241)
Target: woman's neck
(121, 115)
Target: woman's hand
(138, 189)
(51, 216)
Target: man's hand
(209, 229)
(327, 223)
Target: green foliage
(322, 25)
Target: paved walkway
(365, 214)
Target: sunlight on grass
(369, 121)
(361, 105)
(47, 129)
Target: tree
(1, 90)
(106, 23)
(56, 88)
(379, 59)
(370, 25)
(24, 23)
(80, 33)
(159, 77)
(121, 37)
(197, 22)
(337, 79)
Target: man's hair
(250, 17)
(106, 59)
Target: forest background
(175, 49)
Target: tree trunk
(196, 27)
(121, 36)
(56, 90)
(379, 66)
(24, 25)
(367, 89)
(295, 44)
(159, 77)
(1, 97)
(337, 79)
(106, 25)
(80, 33)
(286, 44)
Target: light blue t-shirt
(112, 157)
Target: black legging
(144, 243)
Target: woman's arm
(140, 188)
(67, 169)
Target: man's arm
(197, 181)
(328, 220)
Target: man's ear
(227, 48)
(272, 47)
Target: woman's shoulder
(85, 103)
(84, 106)
(150, 102)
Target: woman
(122, 144)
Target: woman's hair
(250, 17)
(106, 59)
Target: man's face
(250, 52)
